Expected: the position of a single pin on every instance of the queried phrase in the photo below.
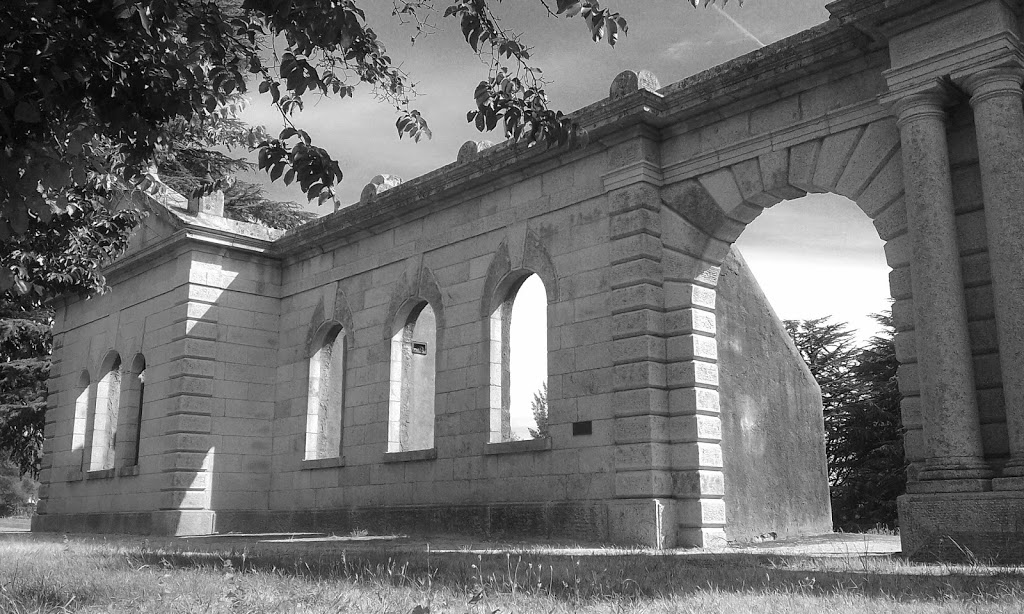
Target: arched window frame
(325, 408)
(499, 326)
(133, 399)
(105, 411)
(408, 404)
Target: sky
(813, 257)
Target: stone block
(636, 246)
(636, 221)
(689, 347)
(640, 402)
(693, 400)
(701, 513)
(699, 484)
(948, 526)
(835, 153)
(639, 348)
(699, 455)
(641, 429)
(751, 184)
(183, 522)
(689, 321)
(802, 162)
(775, 175)
(879, 145)
(686, 374)
(884, 189)
(695, 428)
(631, 272)
(775, 116)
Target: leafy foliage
(861, 403)
(63, 255)
(92, 92)
(539, 408)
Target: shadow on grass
(631, 574)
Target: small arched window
(325, 404)
(413, 370)
(519, 361)
(133, 404)
(105, 415)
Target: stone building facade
(281, 372)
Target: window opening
(413, 371)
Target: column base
(1014, 468)
(1008, 483)
(964, 526)
(955, 468)
(951, 486)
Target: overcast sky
(813, 257)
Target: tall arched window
(413, 369)
(105, 414)
(80, 427)
(519, 360)
(133, 402)
(325, 405)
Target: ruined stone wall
(773, 435)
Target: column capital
(993, 82)
(926, 100)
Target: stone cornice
(769, 70)
(1003, 49)
(882, 19)
(188, 237)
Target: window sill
(411, 455)
(323, 463)
(100, 474)
(515, 447)
(125, 472)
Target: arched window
(519, 360)
(134, 396)
(325, 405)
(105, 414)
(413, 369)
(82, 399)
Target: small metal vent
(419, 348)
(585, 427)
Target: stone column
(999, 125)
(949, 407)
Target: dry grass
(50, 574)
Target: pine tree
(863, 429)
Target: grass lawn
(53, 573)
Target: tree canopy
(93, 91)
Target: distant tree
(539, 407)
(192, 163)
(867, 439)
(863, 431)
(18, 492)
